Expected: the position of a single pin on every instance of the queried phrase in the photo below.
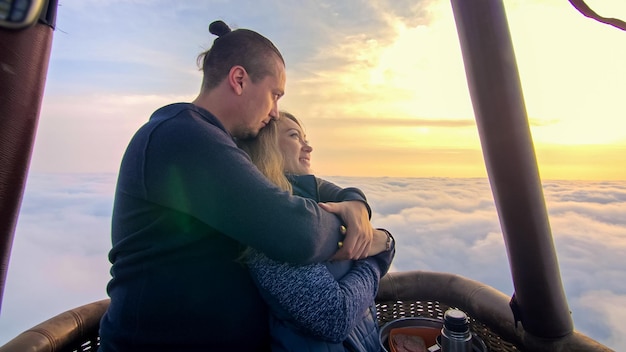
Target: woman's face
(293, 145)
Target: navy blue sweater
(187, 202)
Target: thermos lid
(456, 320)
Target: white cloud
(451, 225)
(59, 258)
(602, 312)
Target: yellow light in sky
(572, 73)
(400, 105)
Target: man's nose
(274, 112)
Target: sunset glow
(414, 114)
(380, 87)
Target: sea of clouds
(59, 258)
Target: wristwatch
(390, 240)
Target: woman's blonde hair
(266, 155)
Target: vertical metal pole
(24, 57)
(507, 145)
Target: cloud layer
(59, 258)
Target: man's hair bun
(219, 28)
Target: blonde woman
(317, 307)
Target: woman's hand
(359, 234)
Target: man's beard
(249, 135)
(246, 134)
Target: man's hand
(359, 234)
(379, 244)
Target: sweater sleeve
(330, 192)
(194, 168)
(310, 298)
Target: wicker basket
(390, 311)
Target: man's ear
(236, 78)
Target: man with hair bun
(188, 201)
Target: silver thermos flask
(455, 334)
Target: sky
(59, 258)
(379, 84)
